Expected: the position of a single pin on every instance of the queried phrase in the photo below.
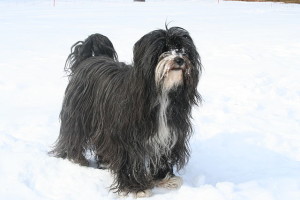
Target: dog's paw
(170, 182)
(122, 194)
(142, 194)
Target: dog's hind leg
(101, 163)
(78, 157)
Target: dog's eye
(163, 55)
(186, 36)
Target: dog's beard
(171, 70)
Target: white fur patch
(173, 79)
(164, 140)
(163, 136)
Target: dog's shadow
(234, 158)
(229, 158)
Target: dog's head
(169, 58)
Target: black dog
(135, 118)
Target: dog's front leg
(133, 180)
(165, 177)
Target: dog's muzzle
(179, 64)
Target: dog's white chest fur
(163, 129)
(164, 139)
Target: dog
(135, 118)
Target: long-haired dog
(135, 118)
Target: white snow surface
(246, 141)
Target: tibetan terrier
(134, 118)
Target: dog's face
(172, 68)
(168, 57)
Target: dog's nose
(179, 61)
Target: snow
(246, 143)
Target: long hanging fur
(118, 110)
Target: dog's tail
(94, 45)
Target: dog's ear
(148, 49)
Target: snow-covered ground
(246, 143)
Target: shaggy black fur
(113, 109)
